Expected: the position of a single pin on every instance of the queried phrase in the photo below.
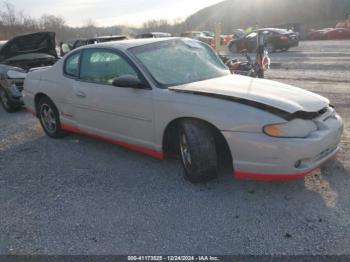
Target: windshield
(180, 61)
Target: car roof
(126, 44)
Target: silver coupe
(174, 96)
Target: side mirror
(128, 81)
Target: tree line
(13, 22)
(230, 13)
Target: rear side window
(71, 66)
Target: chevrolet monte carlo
(173, 97)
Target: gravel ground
(82, 196)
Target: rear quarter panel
(49, 82)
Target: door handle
(80, 94)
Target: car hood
(273, 94)
(43, 42)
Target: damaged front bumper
(260, 157)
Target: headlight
(296, 128)
(13, 74)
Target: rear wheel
(6, 103)
(50, 119)
(198, 151)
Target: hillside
(239, 13)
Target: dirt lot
(82, 196)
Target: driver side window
(103, 66)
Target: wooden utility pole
(218, 37)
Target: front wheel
(50, 119)
(198, 151)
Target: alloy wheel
(185, 152)
(48, 118)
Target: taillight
(284, 37)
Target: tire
(5, 102)
(198, 151)
(50, 118)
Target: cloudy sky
(111, 12)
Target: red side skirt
(146, 151)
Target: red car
(338, 34)
(318, 34)
(329, 34)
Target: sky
(111, 12)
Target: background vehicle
(17, 57)
(153, 35)
(198, 35)
(276, 39)
(238, 33)
(208, 34)
(329, 34)
(338, 34)
(318, 34)
(69, 46)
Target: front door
(124, 114)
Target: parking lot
(79, 195)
